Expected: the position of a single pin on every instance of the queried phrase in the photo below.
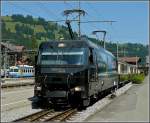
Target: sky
(132, 18)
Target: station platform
(14, 82)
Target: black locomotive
(73, 72)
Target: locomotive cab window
(63, 56)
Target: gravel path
(131, 106)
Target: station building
(11, 53)
(128, 65)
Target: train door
(93, 75)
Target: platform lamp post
(104, 32)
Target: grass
(38, 28)
(7, 18)
(11, 25)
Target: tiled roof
(130, 59)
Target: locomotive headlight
(38, 88)
(77, 88)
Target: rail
(48, 115)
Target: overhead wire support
(90, 21)
(104, 32)
(80, 12)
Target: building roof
(130, 59)
(19, 48)
(12, 47)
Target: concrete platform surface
(16, 82)
(131, 106)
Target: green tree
(34, 43)
(29, 19)
(41, 21)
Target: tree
(41, 21)
(18, 17)
(34, 43)
(29, 19)
(17, 28)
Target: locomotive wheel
(35, 105)
(85, 103)
(94, 98)
(41, 103)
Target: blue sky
(132, 17)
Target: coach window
(15, 70)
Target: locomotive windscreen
(63, 56)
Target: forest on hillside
(30, 32)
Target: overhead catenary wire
(73, 18)
(93, 9)
(96, 11)
(67, 4)
(25, 10)
(48, 11)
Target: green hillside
(30, 32)
(21, 29)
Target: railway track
(48, 115)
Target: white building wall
(124, 68)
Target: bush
(124, 77)
(135, 78)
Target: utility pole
(5, 61)
(117, 51)
(136, 64)
(124, 51)
(15, 59)
(79, 22)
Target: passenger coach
(21, 71)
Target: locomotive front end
(60, 75)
